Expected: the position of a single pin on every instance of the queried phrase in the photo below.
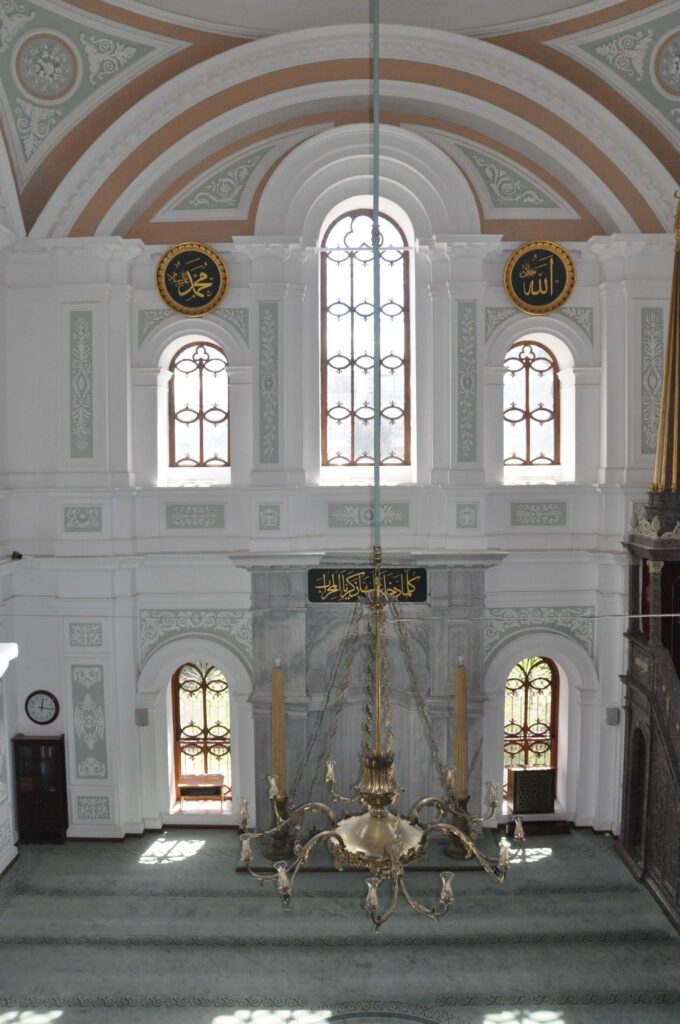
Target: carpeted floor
(161, 929)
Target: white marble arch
(335, 166)
(155, 739)
(150, 378)
(578, 722)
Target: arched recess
(579, 377)
(156, 739)
(423, 190)
(150, 378)
(579, 713)
(336, 165)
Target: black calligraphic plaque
(332, 586)
(539, 277)
(192, 279)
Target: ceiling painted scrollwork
(137, 119)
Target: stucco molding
(508, 71)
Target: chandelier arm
(296, 864)
(427, 801)
(433, 914)
(340, 799)
(296, 814)
(493, 868)
(377, 919)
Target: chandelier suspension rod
(376, 271)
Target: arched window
(200, 699)
(531, 716)
(531, 406)
(347, 343)
(199, 407)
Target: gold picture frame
(539, 277)
(191, 278)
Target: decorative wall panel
(85, 634)
(80, 377)
(467, 515)
(194, 517)
(5, 835)
(538, 513)
(222, 191)
(651, 335)
(82, 518)
(93, 808)
(582, 316)
(89, 721)
(345, 516)
(269, 517)
(236, 317)
(467, 381)
(269, 382)
(576, 622)
(157, 626)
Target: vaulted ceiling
(135, 119)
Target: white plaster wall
(563, 536)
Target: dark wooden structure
(40, 780)
(650, 826)
(531, 790)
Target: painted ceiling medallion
(667, 64)
(539, 277)
(46, 67)
(191, 278)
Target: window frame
(552, 734)
(354, 465)
(204, 742)
(173, 465)
(527, 463)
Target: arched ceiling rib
(571, 116)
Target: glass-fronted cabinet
(40, 780)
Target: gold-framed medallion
(192, 278)
(539, 277)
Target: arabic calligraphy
(340, 585)
(539, 277)
(191, 278)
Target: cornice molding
(422, 46)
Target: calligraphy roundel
(192, 278)
(539, 277)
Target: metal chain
(352, 625)
(420, 702)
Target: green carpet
(162, 928)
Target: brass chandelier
(378, 839)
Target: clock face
(42, 707)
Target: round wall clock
(192, 278)
(539, 277)
(42, 707)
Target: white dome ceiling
(264, 17)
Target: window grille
(530, 722)
(531, 406)
(347, 343)
(199, 407)
(201, 722)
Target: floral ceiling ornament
(627, 52)
(13, 17)
(105, 56)
(46, 67)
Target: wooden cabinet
(40, 781)
(532, 790)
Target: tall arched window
(347, 343)
(199, 406)
(531, 406)
(530, 718)
(200, 698)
